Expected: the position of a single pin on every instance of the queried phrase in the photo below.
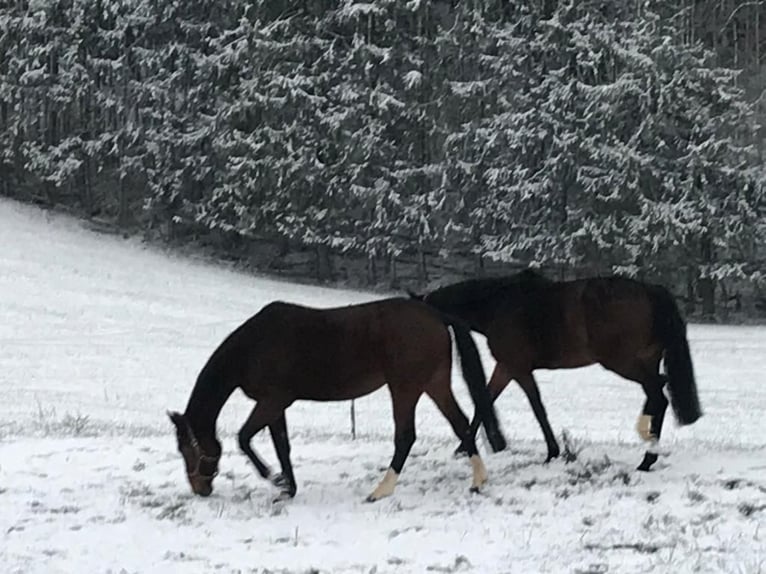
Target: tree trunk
(725, 298)
(479, 265)
(393, 280)
(372, 270)
(706, 290)
(757, 34)
(422, 267)
(324, 263)
(691, 296)
(122, 217)
(706, 285)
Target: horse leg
(404, 404)
(528, 384)
(497, 383)
(286, 480)
(445, 401)
(650, 422)
(263, 414)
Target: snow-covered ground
(99, 336)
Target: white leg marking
(654, 446)
(644, 427)
(386, 486)
(479, 471)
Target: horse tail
(671, 330)
(473, 373)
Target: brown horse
(625, 325)
(288, 352)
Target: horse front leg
(266, 412)
(285, 481)
(404, 404)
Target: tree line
(581, 136)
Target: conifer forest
(400, 143)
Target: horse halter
(201, 457)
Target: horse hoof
(649, 459)
(279, 481)
(474, 490)
(284, 496)
(460, 452)
(497, 442)
(371, 498)
(551, 456)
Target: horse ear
(414, 295)
(183, 430)
(177, 419)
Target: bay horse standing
(289, 352)
(627, 326)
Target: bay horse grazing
(288, 352)
(625, 325)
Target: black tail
(473, 373)
(671, 330)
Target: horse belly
(569, 348)
(344, 388)
(566, 361)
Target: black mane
(475, 290)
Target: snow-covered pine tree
(364, 112)
(12, 126)
(622, 142)
(181, 94)
(467, 52)
(271, 141)
(707, 186)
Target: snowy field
(99, 336)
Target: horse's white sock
(644, 428)
(386, 486)
(479, 471)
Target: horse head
(201, 467)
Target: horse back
(574, 323)
(341, 353)
(541, 327)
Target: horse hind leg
(404, 404)
(650, 421)
(445, 401)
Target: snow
(413, 78)
(100, 335)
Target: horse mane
(216, 381)
(474, 290)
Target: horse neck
(210, 393)
(477, 314)
(477, 302)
